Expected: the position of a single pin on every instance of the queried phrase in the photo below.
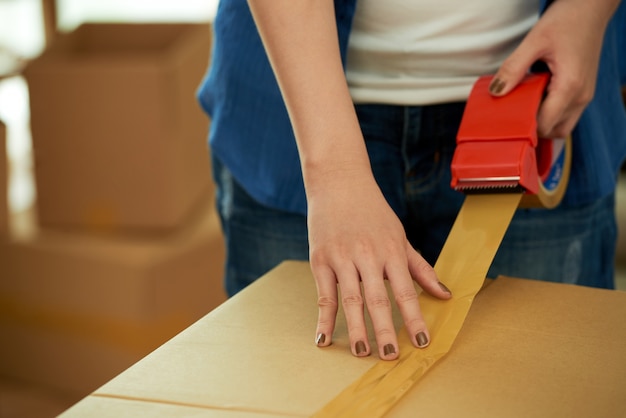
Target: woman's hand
(568, 38)
(356, 239)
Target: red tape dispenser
(498, 149)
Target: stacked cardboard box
(76, 309)
(119, 140)
(128, 250)
(4, 171)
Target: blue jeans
(410, 149)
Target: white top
(411, 52)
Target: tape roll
(554, 160)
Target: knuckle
(508, 66)
(322, 323)
(585, 97)
(364, 248)
(582, 93)
(383, 332)
(352, 300)
(355, 331)
(317, 259)
(406, 295)
(327, 302)
(576, 84)
(423, 268)
(415, 323)
(378, 301)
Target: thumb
(513, 69)
(425, 275)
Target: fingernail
(422, 339)
(321, 339)
(444, 288)
(389, 349)
(496, 86)
(360, 348)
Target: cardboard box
(119, 141)
(50, 17)
(77, 309)
(527, 349)
(4, 182)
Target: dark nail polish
(444, 288)
(321, 339)
(496, 86)
(422, 339)
(360, 348)
(389, 349)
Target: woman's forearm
(301, 41)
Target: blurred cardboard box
(119, 140)
(76, 309)
(4, 181)
(527, 349)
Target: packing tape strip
(463, 264)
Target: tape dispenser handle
(498, 149)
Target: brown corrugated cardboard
(119, 140)
(528, 348)
(4, 182)
(86, 307)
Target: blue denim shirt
(251, 132)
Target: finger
(326, 283)
(562, 129)
(425, 275)
(352, 302)
(379, 308)
(559, 112)
(514, 68)
(547, 128)
(552, 110)
(405, 295)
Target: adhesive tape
(554, 159)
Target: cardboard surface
(86, 307)
(119, 140)
(528, 348)
(531, 349)
(113, 407)
(4, 182)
